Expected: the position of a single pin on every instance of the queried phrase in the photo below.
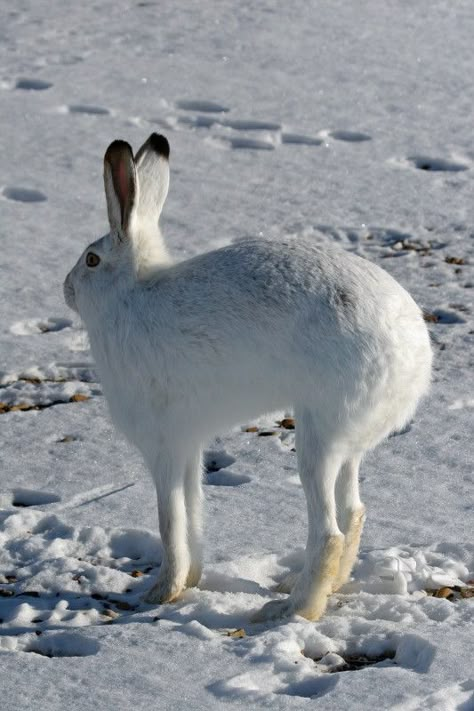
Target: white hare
(189, 349)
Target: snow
(349, 123)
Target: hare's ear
(153, 178)
(121, 186)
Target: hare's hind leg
(351, 517)
(168, 472)
(193, 497)
(351, 512)
(319, 465)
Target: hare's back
(292, 275)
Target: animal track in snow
(33, 326)
(443, 316)
(62, 644)
(299, 139)
(88, 109)
(350, 136)
(429, 164)
(386, 655)
(372, 621)
(20, 194)
(201, 105)
(32, 84)
(225, 477)
(216, 460)
(217, 474)
(85, 109)
(251, 143)
(236, 124)
(249, 125)
(30, 497)
(225, 129)
(198, 121)
(437, 164)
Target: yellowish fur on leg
(167, 588)
(322, 583)
(351, 547)
(194, 575)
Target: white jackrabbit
(189, 349)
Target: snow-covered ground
(348, 122)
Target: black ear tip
(118, 147)
(159, 144)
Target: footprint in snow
(215, 460)
(62, 644)
(88, 109)
(216, 472)
(32, 326)
(437, 164)
(251, 144)
(350, 136)
(431, 164)
(20, 194)
(250, 125)
(30, 497)
(443, 316)
(207, 121)
(32, 84)
(226, 478)
(202, 105)
(300, 139)
(198, 121)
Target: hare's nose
(68, 290)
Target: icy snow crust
(347, 122)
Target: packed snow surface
(350, 123)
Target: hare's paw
(166, 589)
(288, 583)
(274, 610)
(278, 609)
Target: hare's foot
(311, 589)
(351, 547)
(288, 583)
(167, 588)
(274, 610)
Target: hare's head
(135, 190)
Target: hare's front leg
(193, 498)
(168, 471)
(319, 464)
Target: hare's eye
(92, 260)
